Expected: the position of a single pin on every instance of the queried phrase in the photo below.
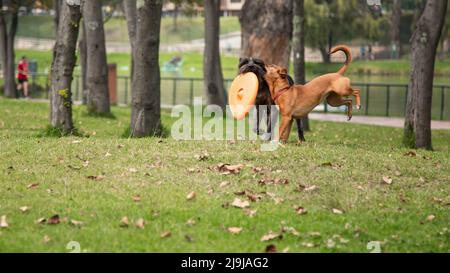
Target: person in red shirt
(22, 76)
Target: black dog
(258, 67)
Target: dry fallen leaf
(191, 196)
(54, 220)
(286, 250)
(132, 170)
(234, 230)
(202, 157)
(337, 211)
(238, 203)
(166, 234)
(224, 184)
(191, 222)
(24, 209)
(76, 223)
(124, 222)
(46, 239)
(311, 188)
(228, 169)
(431, 218)
(271, 249)
(140, 223)
(270, 236)
(96, 177)
(41, 221)
(411, 154)
(137, 198)
(32, 186)
(387, 180)
(3, 222)
(290, 230)
(250, 213)
(308, 245)
(301, 210)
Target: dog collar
(280, 92)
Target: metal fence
(378, 99)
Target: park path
(378, 121)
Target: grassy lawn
(103, 178)
(189, 28)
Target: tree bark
(64, 60)
(3, 39)
(8, 52)
(130, 11)
(57, 8)
(212, 69)
(326, 58)
(83, 63)
(298, 44)
(396, 26)
(97, 66)
(267, 30)
(146, 102)
(424, 42)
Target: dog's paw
(349, 118)
(266, 137)
(359, 107)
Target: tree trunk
(64, 59)
(175, 17)
(212, 69)
(82, 47)
(424, 43)
(396, 26)
(267, 31)
(326, 58)
(3, 40)
(146, 102)
(57, 8)
(130, 11)
(298, 44)
(9, 68)
(97, 66)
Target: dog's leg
(285, 128)
(357, 94)
(336, 100)
(300, 130)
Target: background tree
(64, 60)
(267, 30)
(298, 46)
(97, 66)
(146, 102)
(424, 42)
(130, 11)
(212, 69)
(57, 9)
(7, 55)
(396, 19)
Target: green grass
(189, 28)
(163, 171)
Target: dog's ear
(283, 73)
(290, 80)
(242, 61)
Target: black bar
(367, 99)
(388, 99)
(191, 92)
(174, 92)
(442, 102)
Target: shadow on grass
(109, 115)
(162, 132)
(57, 132)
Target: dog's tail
(348, 55)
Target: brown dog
(299, 100)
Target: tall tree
(82, 49)
(97, 67)
(298, 44)
(64, 60)
(424, 42)
(146, 102)
(212, 69)
(396, 26)
(267, 30)
(57, 9)
(7, 47)
(130, 11)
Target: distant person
(371, 56)
(362, 51)
(22, 76)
